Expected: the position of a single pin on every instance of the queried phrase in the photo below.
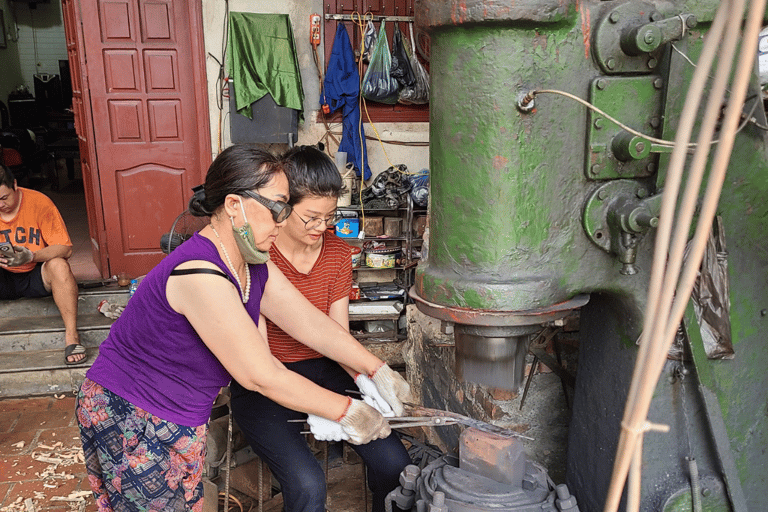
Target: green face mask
(245, 242)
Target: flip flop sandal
(71, 350)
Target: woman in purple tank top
(192, 325)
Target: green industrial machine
(540, 205)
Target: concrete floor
(70, 200)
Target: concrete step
(19, 334)
(32, 342)
(40, 372)
(87, 301)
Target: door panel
(84, 129)
(146, 98)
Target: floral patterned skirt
(137, 461)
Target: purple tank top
(154, 358)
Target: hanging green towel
(262, 59)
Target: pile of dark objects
(393, 188)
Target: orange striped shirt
(328, 281)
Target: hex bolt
(652, 63)
(438, 498)
(610, 63)
(601, 84)
(641, 193)
(408, 477)
(599, 123)
(639, 147)
(602, 194)
(657, 83)
(595, 169)
(562, 492)
(650, 167)
(655, 122)
(655, 16)
(614, 17)
(706, 492)
(691, 22)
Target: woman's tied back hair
(311, 173)
(238, 168)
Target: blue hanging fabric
(341, 88)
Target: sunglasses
(280, 210)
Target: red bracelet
(346, 409)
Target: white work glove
(371, 395)
(392, 387)
(20, 256)
(326, 430)
(112, 311)
(363, 424)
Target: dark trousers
(282, 446)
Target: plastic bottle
(133, 288)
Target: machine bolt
(439, 498)
(641, 193)
(706, 492)
(651, 168)
(648, 37)
(525, 102)
(640, 147)
(602, 194)
(655, 16)
(614, 17)
(595, 169)
(655, 122)
(408, 477)
(601, 84)
(691, 22)
(599, 123)
(657, 83)
(652, 63)
(610, 63)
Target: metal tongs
(424, 416)
(420, 421)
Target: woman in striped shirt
(318, 264)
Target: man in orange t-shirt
(35, 264)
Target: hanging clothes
(262, 59)
(341, 89)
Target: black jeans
(282, 446)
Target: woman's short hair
(238, 168)
(311, 173)
(6, 176)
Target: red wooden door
(148, 106)
(84, 129)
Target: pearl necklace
(247, 290)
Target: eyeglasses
(280, 210)
(315, 222)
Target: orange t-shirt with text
(36, 225)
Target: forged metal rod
(418, 410)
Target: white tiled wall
(41, 39)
